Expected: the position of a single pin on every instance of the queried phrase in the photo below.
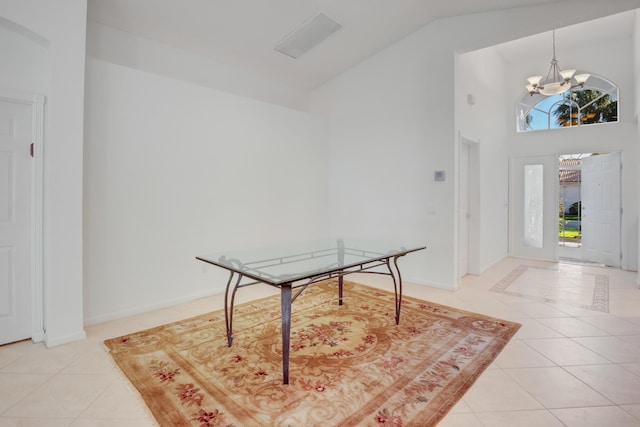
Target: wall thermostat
(438, 176)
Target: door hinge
(31, 149)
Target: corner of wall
(54, 341)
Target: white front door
(533, 207)
(15, 221)
(601, 209)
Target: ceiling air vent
(307, 35)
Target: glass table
(292, 268)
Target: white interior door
(601, 209)
(15, 221)
(533, 207)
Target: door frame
(37, 103)
(473, 189)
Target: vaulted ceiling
(244, 32)
(606, 29)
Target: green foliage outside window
(586, 107)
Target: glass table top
(288, 263)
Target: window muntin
(596, 103)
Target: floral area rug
(351, 365)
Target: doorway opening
(589, 208)
(569, 204)
(468, 206)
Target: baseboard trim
(50, 341)
(151, 307)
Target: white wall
(483, 120)
(26, 63)
(385, 149)
(61, 25)
(392, 124)
(174, 170)
(126, 49)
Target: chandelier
(557, 81)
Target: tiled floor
(574, 362)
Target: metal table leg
(394, 272)
(285, 302)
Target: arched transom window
(596, 103)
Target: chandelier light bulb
(567, 74)
(582, 78)
(534, 80)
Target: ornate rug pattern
(351, 365)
